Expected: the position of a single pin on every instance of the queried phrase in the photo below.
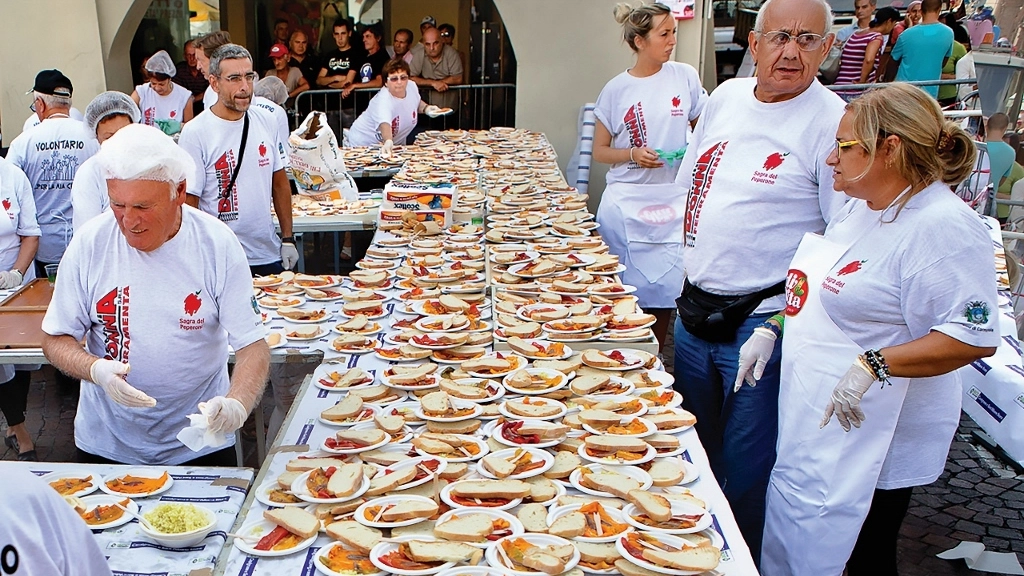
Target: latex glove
(224, 415)
(387, 149)
(754, 356)
(432, 111)
(11, 279)
(846, 396)
(289, 255)
(109, 375)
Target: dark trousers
(266, 269)
(875, 551)
(14, 397)
(224, 457)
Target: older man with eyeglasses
(757, 180)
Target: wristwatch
(288, 240)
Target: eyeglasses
(445, 34)
(32, 106)
(248, 77)
(401, 78)
(806, 42)
(843, 144)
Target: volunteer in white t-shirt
(50, 155)
(174, 291)
(644, 115)
(41, 534)
(104, 116)
(757, 180)
(163, 103)
(902, 287)
(392, 113)
(234, 184)
(19, 240)
(267, 94)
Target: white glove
(754, 356)
(386, 149)
(289, 255)
(846, 396)
(109, 375)
(225, 415)
(10, 279)
(432, 111)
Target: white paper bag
(317, 164)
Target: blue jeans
(738, 430)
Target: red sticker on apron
(796, 291)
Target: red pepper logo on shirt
(174, 113)
(774, 160)
(263, 149)
(850, 268)
(7, 208)
(193, 302)
(676, 101)
(796, 291)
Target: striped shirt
(852, 60)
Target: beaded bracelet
(877, 363)
(775, 329)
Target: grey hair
(759, 21)
(639, 21)
(227, 52)
(54, 101)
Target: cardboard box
(428, 198)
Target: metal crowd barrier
(477, 106)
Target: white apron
(643, 225)
(823, 480)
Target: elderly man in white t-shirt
(165, 288)
(757, 179)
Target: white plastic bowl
(183, 539)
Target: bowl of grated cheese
(178, 525)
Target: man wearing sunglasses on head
(757, 180)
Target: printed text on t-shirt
(703, 174)
(112, 313)
(227, 200)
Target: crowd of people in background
(923, 44)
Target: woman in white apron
(902, 286)
(163, 103)
(19, 240)
(644, 116)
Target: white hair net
(109, 104)
(140, 152)
(161, 63)
(273, 89)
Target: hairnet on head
(273, 89)
(140, 152)
(109, 104)
(161, 63)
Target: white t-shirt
(210, 98)
(656, 112)
(758, 181)
(264, 107)
(214, 145)
(401, 113)
(964, 70)
(42, 532)
(164, 112)
(50, 155)
(929, 269)
(17, 213)
(33, 120)
(171, 313)
(88, 193)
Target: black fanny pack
(715, 318)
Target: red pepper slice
(271, 539)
